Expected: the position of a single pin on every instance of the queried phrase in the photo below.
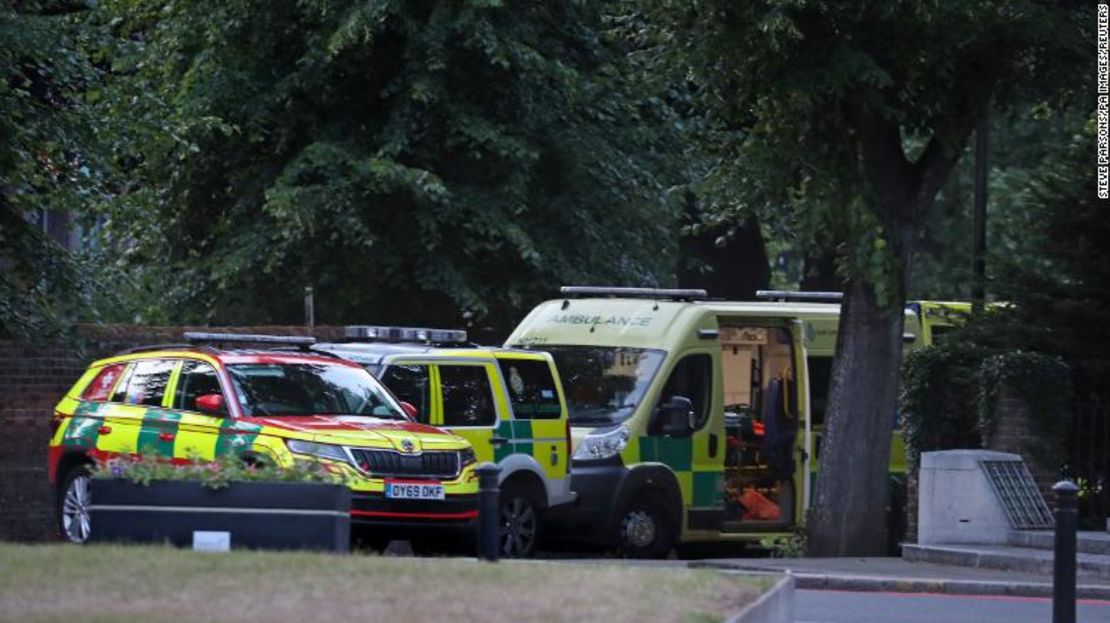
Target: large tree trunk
(850, 508)
(850, 515)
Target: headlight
(319, 450)
(603, 445)
(466, 457)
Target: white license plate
(413, 491)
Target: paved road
(849, 607)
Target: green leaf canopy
(414, 161)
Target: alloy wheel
(75, 510)
(518, 527)
(638, 528)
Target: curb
(774, 606)
(1095, 565)
(954, 555)
(828, 582)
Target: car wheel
(73, 506)
(519, 521)
(645, 529)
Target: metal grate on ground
(1016, 489)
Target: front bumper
(404, 517)
(591, 517)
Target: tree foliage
(847, 119)
(47, 162)
(1056, 281)
(411, 160)
(1022, 142)
(805, 85)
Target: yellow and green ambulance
(690, 418)
(507, 403)
(697, 420)
(935, 319)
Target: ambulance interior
(761, 425)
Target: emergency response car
(181, 402)
(508, 403)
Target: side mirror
(410, 410)
(211, 403)
(673, 418)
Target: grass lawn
(115, 583)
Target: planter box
(263, 515)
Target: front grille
(441, 465)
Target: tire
(74, 521)
(645, 528)
(520, 521)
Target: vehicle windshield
(289, 389)
(604, 384)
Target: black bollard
(489, 516)
(1063, 565)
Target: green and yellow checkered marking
(700, 488)
(155, 422)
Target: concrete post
(489, 515)
(1063, 564)
(309, 307)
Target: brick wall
(1013, 433)
(33, 377)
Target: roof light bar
(253, 338)
(405, 334)
(637, 293)
(799, 295)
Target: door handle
(103, 429)
(712, 445)
(498, 441)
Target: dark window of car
(467, 399)
(302, 388)
(604, 384)
(197, 379)
(941, 333)
(532, 390)
(148, 381)
(691, 379)
(105, 380)
(410, 383)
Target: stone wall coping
(963, 459)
